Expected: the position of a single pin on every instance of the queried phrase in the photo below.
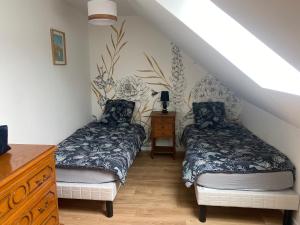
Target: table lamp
(164, 98)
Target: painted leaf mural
(211, 89)
(104, 82)
(145, 82)
(178, 89)
(154, 75)
(135, 89)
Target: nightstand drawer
(162, 129)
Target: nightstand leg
(152, 147)
(174, 146)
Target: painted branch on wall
(135, 89)
(144, 85)
(155, 75)
(210, 88)
(103, 84)
(178, 91)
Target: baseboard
(148, 148)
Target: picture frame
(58, 44)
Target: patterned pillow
(117, 112)
(209, 114)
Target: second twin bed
(230, 166)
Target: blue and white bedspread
(229, 148)
(102, 147)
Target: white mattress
(101, 192)
(84, 176)
(254, 181)
(286, 199)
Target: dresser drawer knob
(43, 209)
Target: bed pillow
(209, 114)
(117, 112)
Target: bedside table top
(160, 114)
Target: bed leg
(202, 213)
(109, 209)
(287, 217)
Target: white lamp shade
(102, 12)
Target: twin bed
(226, 163)
(93, 162)
(229, 166)
(230, 157)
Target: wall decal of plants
(210, 88)
(103, 84)
(135, 89)
(179, 85)
(154, 72)
(144, 85)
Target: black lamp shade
(164, 97)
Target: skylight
(239, 46)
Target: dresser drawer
(38, 213)
(53, 219)
(15, 194)
(44, 175)
(162, 127)
(42, 210)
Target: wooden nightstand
(163, 126)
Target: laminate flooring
(154, 194)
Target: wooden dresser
(163, 126)
(28, 186)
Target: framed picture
(58, 42)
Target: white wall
(276, 132)
(40, 102)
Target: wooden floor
(154, 194)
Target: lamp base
(165, 107)
(164, 111)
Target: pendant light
(102, 12)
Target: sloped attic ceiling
(275, 22)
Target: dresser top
(160, 114)
(21, 155)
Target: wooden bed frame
(287, 200)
